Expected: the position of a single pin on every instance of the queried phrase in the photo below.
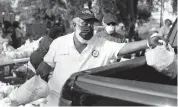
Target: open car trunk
(128, 83)
(138, 71)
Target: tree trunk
(128, 14)
(150, 3)
(133, 17)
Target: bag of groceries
(163, 59)
(30, 91)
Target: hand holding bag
(163, 59)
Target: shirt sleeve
(49, 57)
(114, 48)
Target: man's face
(84, 28)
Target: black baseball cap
(86, 14)
(109, 18)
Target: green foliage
(143, 11)
(5, 6)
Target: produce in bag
(171, 70)
(11, 54)
(5, 91)
(4, 58)
(1, 96)
(31, 90)
(18, 54)
(163, 59)
(27, 53)
(6, 102)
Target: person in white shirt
(81, 50)
(164, 30)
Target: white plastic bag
(163, 59)
(33, 89)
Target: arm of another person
(48, 63)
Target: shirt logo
(95, 53)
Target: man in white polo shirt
(81, 50)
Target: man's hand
(156, 40)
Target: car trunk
(135, 69)
(126, 83)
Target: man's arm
(141, 45)
(133, 47)
(48, 63)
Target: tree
(143, 11)
(5, 6)
(174, 6)
(125, 10)
(150, 4)
(128, 13)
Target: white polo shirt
(66, 60)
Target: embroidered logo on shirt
(95, 53)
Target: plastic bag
(5, 90)
(6, 102)
(31, 90)
(163, 59)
